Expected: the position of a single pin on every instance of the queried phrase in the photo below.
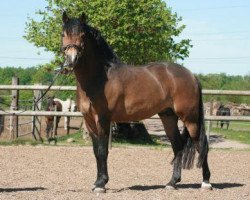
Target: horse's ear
(65, 17)
(83, 18)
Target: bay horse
(52, 105)
(109, 91)
(223, 111)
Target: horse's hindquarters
(139, 93)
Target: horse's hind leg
(199, 139)
(221, 124)
(170, 120)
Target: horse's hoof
(206, 186)
(99, 190)
(170, 187)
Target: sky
(219, 30)
(220, 34)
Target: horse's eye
(82, 35)
(63, 49)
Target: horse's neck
(90, 73)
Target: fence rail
(73, 88)
(37, 90)
(37, 87)
(226, 92)
(41, 113)
(79, 114)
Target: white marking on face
(73, 55)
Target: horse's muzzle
(67, 64)
(67, 67)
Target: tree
(139, 31)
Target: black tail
(203, 143)
(189, 145)
(188, 153)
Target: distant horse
(108, 91)
(1, 123)
(2, 117)
(223, 111)
(52, 105)
(68, 105)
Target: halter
(77, 47)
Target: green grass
(79, 141)
(242, 126)
(231, 134)
(115, 141)
(19, 141)
(238, 131)
(139, 142)
(77, 137)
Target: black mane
(75, 27)
(106, 50)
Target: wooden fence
(14, 113)
(78, 114)
(73, 88)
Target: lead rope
(52, 83)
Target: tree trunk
(134, 130)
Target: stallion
(52, 105)
(110, 91)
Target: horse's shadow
(181, 186)
(24, 189)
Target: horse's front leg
(100, 147)
(48, 129)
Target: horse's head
(50, 104)
(79, 40)
(73, 39)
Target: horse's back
(183, 88)
(147, 90)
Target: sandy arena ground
(44, 172)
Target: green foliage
(25, 76)
(42, 76)
(29, 76)
(225, 82)
(8, 72)
(139, 31)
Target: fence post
(1, 123)
(34, 119)
(14, 106)
(210, 122)
(54, 124)
(36, 125)
(68, 118)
